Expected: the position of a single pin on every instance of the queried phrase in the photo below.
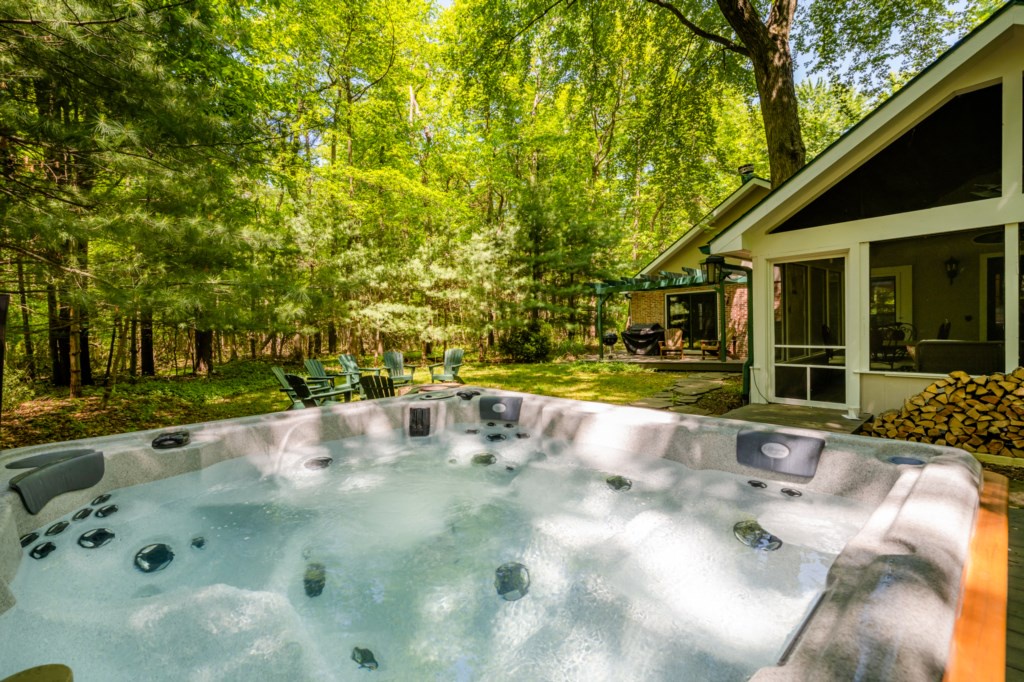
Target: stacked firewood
(983, 414)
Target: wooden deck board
(1015, 597)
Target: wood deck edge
(978, 650)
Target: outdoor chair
(673, 345)
(375, 386)
(450, 367)
(394, 362)
(316, 370)
(303, 393)
(350, 366)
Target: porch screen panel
(809, 358)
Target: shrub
(17, 388)
(528, 344)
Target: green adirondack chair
(349, 365)
(308, 397)
(394, 362)
(375, 387)
(450, 367)
(306, 394)
(316, 370)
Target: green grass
(607, 382)
(246, 388)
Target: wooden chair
(452, 363)
(394, 362)
(305, 394)
(673, 345)
(375, 386)
(316, 370)
(709, 346)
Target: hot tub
(610, 486)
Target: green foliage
(17, 388)
(527, 344)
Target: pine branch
(92, 22)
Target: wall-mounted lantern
(712, 269)
(952, 268)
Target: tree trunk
(59, 339)
(120, 331)
(332, 338)
(768, 48)
(766, 45)
(146, 344)
(133, 362)
(30, 356)
(74, 354)
(203, 361)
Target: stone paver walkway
(685, 392)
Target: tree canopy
(309, 177)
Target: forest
(188, 182)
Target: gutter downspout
(749, 362)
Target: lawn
(245, 388)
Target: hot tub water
(645, 582)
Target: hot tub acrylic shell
(892, 595)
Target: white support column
(764, 293)
(1011, 285)
(1013, 132)
(858, 312)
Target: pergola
(714, 271)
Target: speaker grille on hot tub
(783, 453)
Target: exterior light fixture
(952, 268)
(712, 269)
(746, 172)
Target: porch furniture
(375, 386)
(394, 362)
(305, 393)
(351, 367)
(709, 346)
(895, 342)
(941, 356)
(643, 339)
(672, 345)
(316, 370)
(450, 367)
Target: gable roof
(797, 191)
(712, 223)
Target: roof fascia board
(783, 197)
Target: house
(894, 256)
(673, 292)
